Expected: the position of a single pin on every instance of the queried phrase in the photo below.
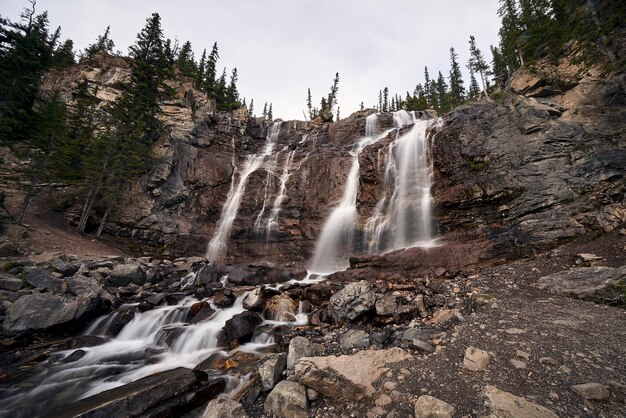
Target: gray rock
(208, 274)
(270, 368)
(352, 301)
(415, 333)
(39, 311)
(499, 404)
(43, 280)
(254, 300)
(10, 283)
(298, 347)
(598, 284)
(224, 408)
(288, 400)
(67, 269)
(423, 346)
(241, 326)
(386, 306)
(125, 274)
(431, 407)
(475, 360)
(355, 338)
(591, 391)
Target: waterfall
(218, 244)
(403, 216)
(335, 244)
(272, 221)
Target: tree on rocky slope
(103, 43)
(457, 89)
(477, 64)
(185, 61)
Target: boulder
(499, 404)
(355, 338)
(386, 306)
(224, 408)
(125, 274)
(254, 300)
(354, 300)
(42, 280)
(270, 368)
(288, 400)
(475, 360)
(10, 283)
(208, 274)
(431, 407)
(591, 391)
(298, 347)
(281, 308)
(66, 268)
(241, 326)
(347, 377)
(199, 312)
(598, 284)
(40, 311)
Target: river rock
(281, 308)
(42, 280)
(348, 377)
(298, 347)
(199, 312)
(208, 273)
(499, 404)
(591, 391)
(431, 407)
(125, 274)
(241, 326)
(288, 400)
(40, 311)
(598, 284)
(475, 360)
(271, 367)
(224, 408)
(254, 300)
(355, 338)
(10, 283)
(352, 301)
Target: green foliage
(103, 43)
(186, 63)
(457, 88)
(477, 165)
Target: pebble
(518, 364)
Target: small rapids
(152, 341)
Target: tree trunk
(482, 80)
(521, 57)
(23, 207)
(83, 215)
(103, 221)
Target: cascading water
(334, 245)
(403, 217)
(272, 221)
(219, 243)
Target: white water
(403, 216)
(335, 244)
(219, 243)
(272, 221)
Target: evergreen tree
(332, 96)
(264, 114)
(103, 43)
(63, 56)
(219, 92)
(510, 34)
(500, 72)
(270, 114)
(474, 88)
(442, 94)
(199, 82)
(361, 106)
(251, 108)
(337, 117)
(210, 75)
(232, 95)
(427, 88)
(380, 101)
(477, 64)
(457, 89)
(309, 104)
(185, 61)
(385, 100)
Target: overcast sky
(283, 47)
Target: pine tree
(442, 94)
(500, 72)
(477, 64)
(385, 100)
(63, 56)
(380, 100)
(427, 89)
(199, 81)
(251, 108)
(210, 76)
(332, 96)
(265, 111)
(510, 34)
(361, 106)
(309, 104)
(337, 117)
(103, 43)
(220, 91)
(270, 114)
(457, 89)
(185, 61)
(474, 88)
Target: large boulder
(431, 407)
(288, 400)
(354, 300)
(241, 326)
(298, 347)
(270, 368)
(500, 404)
(42, 280)
(125, 274)
(598, 284)
(347, 377)
(40, 311)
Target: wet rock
(224, 408)
(270, 368)
(39, 311)
(119, 320)
(598, 284)
(125, 274)
(208, 274)
(288, 400)
(317, 293)
(499, 404)
(281, 308)
(354, 300)
(75, 356)
(348, 377)
(199, 312)
(475, 360)
(243, 276)
(133, 398)
(241, 326)
(591, 391)
(156, 299)
(254, 300)
(223, 300)
(431, 407)
(298, 347)
(87, 341)
(355, 338)
(42, 280)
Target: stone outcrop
(598, 284)
(500, 404)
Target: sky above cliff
(283, 47)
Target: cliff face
(542, 165)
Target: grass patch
(477, 165)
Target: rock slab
(431, 407)
(352, 301)
(288, 400)
(500, 404)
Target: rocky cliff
(540, 166)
